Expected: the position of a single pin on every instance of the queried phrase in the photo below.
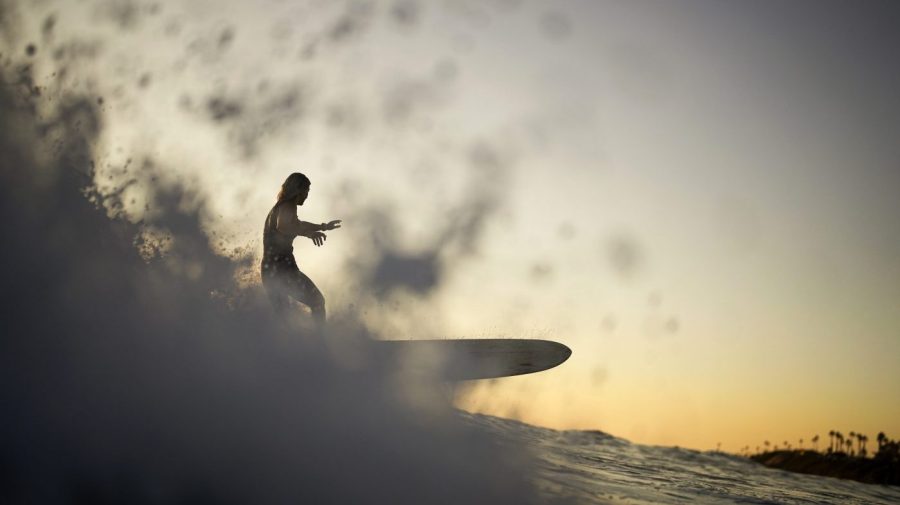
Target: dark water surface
(594, 467)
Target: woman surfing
(281, 276)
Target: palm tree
(801, 444)
(831, 441)
(766, 443)
(881, 439)
(864, 440)
(815, 441)
(839, 439)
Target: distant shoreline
(840, 465)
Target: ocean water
(594, 467)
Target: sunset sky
(700, 198)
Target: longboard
(472, 359)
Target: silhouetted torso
(276, 243)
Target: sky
(697, 197)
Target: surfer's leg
(304, 290)
(278, 295)
(275, 272)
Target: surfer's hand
(331, 225)
(318, 238)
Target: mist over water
(137, 367)
(124, 380)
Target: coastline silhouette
(840, 459)
(281, 276)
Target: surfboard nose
(567, 351)
(563, 352)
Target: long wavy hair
(293, 185)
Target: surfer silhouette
(281, 276)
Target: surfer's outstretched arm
(289, 224)
(332, 225)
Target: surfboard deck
(473, 359)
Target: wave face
(594, 467)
